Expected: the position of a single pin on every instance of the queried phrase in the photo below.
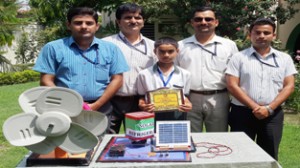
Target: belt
(116, 97)
(209, 92)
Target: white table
(245, 154)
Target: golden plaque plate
(165, 99)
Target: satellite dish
(53, 117)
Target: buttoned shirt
(206, 63)
(261, 77)
(85, 71)
(138, 56)
(150, 79)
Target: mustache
(133, 24)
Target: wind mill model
(53, 117)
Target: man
(138, 51)
(83, 62)
(205, 55)
(260, 79)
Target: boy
(165, 74)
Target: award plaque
(165, 99)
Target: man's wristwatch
(271, 111)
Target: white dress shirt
(261, 78)
(139, 56)
(206, 63)
(149, 79)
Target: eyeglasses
(200, 19)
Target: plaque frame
(162, 100)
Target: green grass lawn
(10, 155)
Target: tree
(26, 50)
(8, 20)
(232, 13)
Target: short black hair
(165, 40)
(82, 11)
(129, 7)
(202, 9)
(263, 21)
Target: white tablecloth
(245, 154)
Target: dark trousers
(268, 131)
(121, 106)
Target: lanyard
(274, 59)
(162, 77)
(213, 53)
(130, 45)
(95, 62)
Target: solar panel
(173, 133)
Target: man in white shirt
(260, 78)
(138, 52)
(205, 55)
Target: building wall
(289, 32)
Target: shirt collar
(176, 70)
(71, 42)
(272, 52)
(215, 39)
(142, 41)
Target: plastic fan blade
(77, 140)
(20, 130)
(53, 123)
(94, 121)
(27, 99)
(44, 147)
(60, 99)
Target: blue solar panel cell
(173, 133)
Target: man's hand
(260, 112)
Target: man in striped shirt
(260, 79)
(138, 51)
(82, 62)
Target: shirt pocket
(102, 72)
(277, 78)
(219, 64)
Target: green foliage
(50, 33)
(232, 14)
(18, 77)
(109, 29)
(8, 19)
(293, 102)
(242, 43)
(289, 147)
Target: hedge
(11, 78)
